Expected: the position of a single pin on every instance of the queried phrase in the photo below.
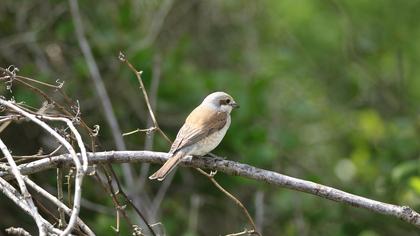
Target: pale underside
(203, 130)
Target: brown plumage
(202, 131)
(169, 165)
(201, 123)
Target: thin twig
(44, 209)
(13, 195)
(60, 196)
(149, 130)
(111, 191)
(233, 198)
(23, 80)
(245, 232)
(21, 159)
(122, 192)
(39, 82)
(146, 97)
(12, 76)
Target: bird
(202, 131)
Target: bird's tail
(169, 165)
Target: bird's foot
(188, 158)
(213, 173)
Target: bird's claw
(188, 158)
(213, 173)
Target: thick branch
(233, 168)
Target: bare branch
(13, 195)
(79, 169)
(404, 213)
(60, 197)
(129, 201)
(245, 232)
(17, 231)
(146, 97)
(26, 195)
(58, 203)
(120, 208)
(147, 131)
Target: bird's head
(221, 101)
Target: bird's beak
(234, 105)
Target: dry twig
(146, 97)
(16, 197)
(59, 204)
(233, 198)
(24, 191)
(17, 231)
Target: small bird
(202, 131)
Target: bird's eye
(227, 101)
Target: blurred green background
(329, 92)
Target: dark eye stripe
(224, 101)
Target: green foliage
(329, 92)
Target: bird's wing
(199, 124)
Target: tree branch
(59, 204)
(80, 168)
(17, 231)
(24, 191)
(404, 213)
(16, 197)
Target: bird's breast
(209, 143)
